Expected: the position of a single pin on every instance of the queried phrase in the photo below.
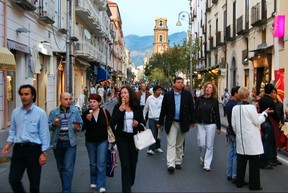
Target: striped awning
(7, 60)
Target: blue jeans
(153, 127)
(232, 157)
(97, 153)
(65, 156)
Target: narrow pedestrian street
(152, 175)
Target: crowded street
(152, 175)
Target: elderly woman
(246, 125)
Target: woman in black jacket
(208, 123)
(96, 142)
(128, 117)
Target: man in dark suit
(178, 111)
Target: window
(161, 23)
(161, 38)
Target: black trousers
(268, 141)
(254, 170)
(25, 157)
(128, 155)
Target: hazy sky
(138, 16)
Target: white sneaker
(159, 150)
(93, 186)
(150, 152)
(102, 190)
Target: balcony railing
(87, 51)
(240, 26)
(46, 11)
(87, 12)
(211, 43)
(228, 35)
(29, 5)
(219, 41)
(256, 19)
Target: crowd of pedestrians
(253, 133)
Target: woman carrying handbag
(128, 117)
(96, 135)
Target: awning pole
(5, 120)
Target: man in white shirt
(153, 107)
(101, 92)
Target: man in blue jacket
(64, 122)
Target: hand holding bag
(144, 138)
(111, 137)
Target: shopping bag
(111, 162)
(143, 139)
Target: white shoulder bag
(144, 138)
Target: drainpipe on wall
(225, 50)
(5, 104)
(276, 41)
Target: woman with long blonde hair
(208, 123)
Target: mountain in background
(140, 46)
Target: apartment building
(238, 41)
(57, 46)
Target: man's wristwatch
(44, 153)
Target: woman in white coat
(246, 125)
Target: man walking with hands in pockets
(178, 109)
(30, 134)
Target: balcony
(88, 14)
(228, 35)
(211, 43)
(87, 51)
(219, 41)
(28, 5)
(240, 29)
(256, 19)
(46, 11)
(102, 4)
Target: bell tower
(160, 35)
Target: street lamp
(182, 16)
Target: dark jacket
(207, 111)
(228, 107)
(95, 131)
(117, 122)
(186, 111)
(267, 102)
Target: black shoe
(234, 181)
(178, 167)
(278, 162)
(259, 188)
(273, 164)
(268, 167)
(171, 170)
(229, 178)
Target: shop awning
(7, 60)
(102, 74)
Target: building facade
(238, 41)
(57, 46)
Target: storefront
(7, 65)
